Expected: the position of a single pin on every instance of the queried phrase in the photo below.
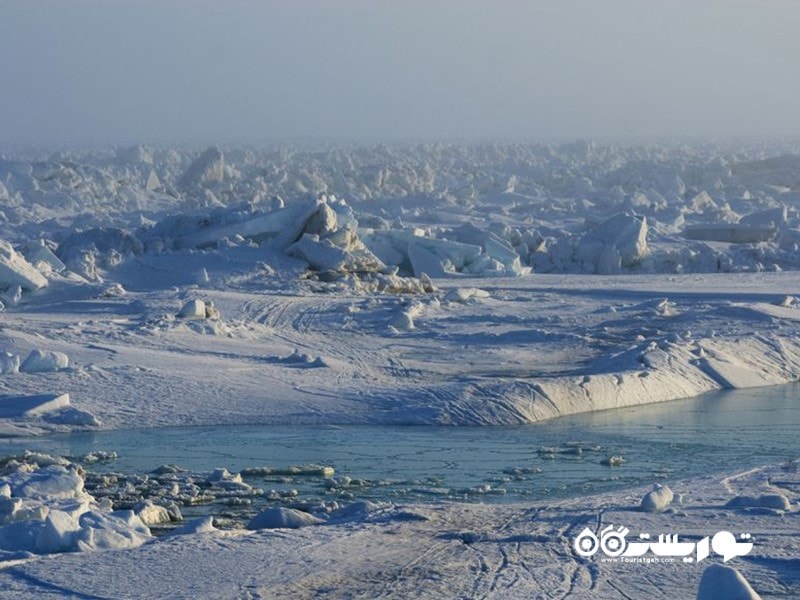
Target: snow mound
(769, 501)
(282, 518)
(15, 270)
(658, 499)
(42, 361)
(195, 526)
(721, 582)
(463, 295)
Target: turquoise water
(715, 432)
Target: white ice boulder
(151, 514)
(15, 270)
(625, 234)
(280, 517)
(58, 533)
(321, 255)
(493, 246)
(658, 499)
(721, 582)
(195, 526)
(221, 475)
(44, 361)
(193, 309)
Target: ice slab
(29, 406)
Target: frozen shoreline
(531, 348)
(472, 550)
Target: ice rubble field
(452, 284)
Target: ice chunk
(151, 514)
(42, 257)
(282, 518)
(209, 167)
(424, 262)
(9, 363)
(658, 499)
(199, 525)
(12, 296)
(732, 233)
(222, 474)
(15, 270)
(106, 531)
(280, 228)
(41, 361)
(193, 309)
(153, 182)
(58, 533)
(48, 483)
(622, 235)
(771, 217)
(721, 582)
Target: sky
(109, 71)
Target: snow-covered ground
(489, 284)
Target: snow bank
(655, 373)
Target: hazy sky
(197, 70)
